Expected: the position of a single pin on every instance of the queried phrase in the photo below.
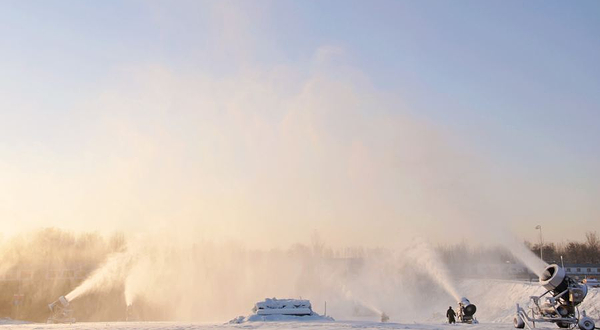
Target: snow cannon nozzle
(61, 300)
(554, 278)
(468, 308)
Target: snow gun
(466, 311)
(384, 317)
(559, 304)
(61, 311)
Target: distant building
(581, 271)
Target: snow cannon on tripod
(61, 311)
(131, 313)
(559, 304)
(466, 311)
(384, 317)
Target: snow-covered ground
(259, 325)
(337, 325)
(495, 301)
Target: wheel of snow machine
(564, 325)
(585, 323)
(519, 323)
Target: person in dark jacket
(450, 314)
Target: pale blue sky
(524, 72)
(518, 80)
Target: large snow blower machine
(466, 312)
(61, 311)
(559, 304)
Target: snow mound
(281, 310)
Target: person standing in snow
(450, 314)
(461, 311)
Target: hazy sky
(263, 122)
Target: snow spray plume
(106, 277)
(151, 267)
(535, 264)
(521, 252)
(227, 280)
(348, 295)
(423, 255)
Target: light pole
(541, 242)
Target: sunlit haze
(322, 165)
(263, 123)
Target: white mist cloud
(264, 157)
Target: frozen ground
(260, 325)
(495, 301)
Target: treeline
(460, 258)
(584, 252)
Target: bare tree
(592, 240)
